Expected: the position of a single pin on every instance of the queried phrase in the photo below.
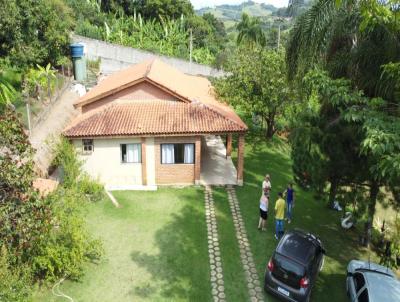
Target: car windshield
(287, 270)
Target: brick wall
(176, 173)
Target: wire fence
(37, 101)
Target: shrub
(14, 280)
(72, 176)
(66, 248)
(93, 190)
(67, 160)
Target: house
(151, 124)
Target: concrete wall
(116, 57)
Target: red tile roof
(123, 118)
(198, 110)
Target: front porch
(217, 167)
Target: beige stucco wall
(105, 163)
(143, 91)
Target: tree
(342, 37)
(172, 9)
(250, 31)
(325, 144)
(295, 7)
(257, 84)
(34, 32)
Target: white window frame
(175, 163)
(139, 161)
(87, 145)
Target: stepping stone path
(253, 282)
(217, 277)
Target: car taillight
(270, 266)
(304, 282)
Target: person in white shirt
(266, 185)
(263, 212)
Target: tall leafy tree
(342, 36)
(34, 32)
(257, 84)
(250, 31)
(173, 9)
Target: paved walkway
(253, 282)
(58, 117)
(217, 277)
(216, 169)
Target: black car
(293, 268)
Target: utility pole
(190, 48)
(28, 114)
(279, 36)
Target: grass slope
(156, 250)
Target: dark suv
(293, 268)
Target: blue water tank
(76, 50)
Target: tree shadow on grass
(181, 270)
(309, 214)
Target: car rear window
(288, 271)
(297, 247)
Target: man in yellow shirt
(279, 215)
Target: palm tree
(250, 31)
(331, 34)
(353, 39)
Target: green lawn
(156, 244)
(156, 250)
(309, 214)
(234, 277)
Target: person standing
(266, 185)
(289, 202)
(279, 216)
(263, 212)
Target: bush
(14, 280)
(72, 176)
(93, 190)
(69, 244)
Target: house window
(87, 145)
(177, 153)
(131, 153)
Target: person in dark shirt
(289, 202)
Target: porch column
(228, 145)
(144, 165)
(240, 159)
(197, 160)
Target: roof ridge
(219, 113)
(149, 67)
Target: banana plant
(7, 92)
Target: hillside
(269, 14)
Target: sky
(203, 3)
